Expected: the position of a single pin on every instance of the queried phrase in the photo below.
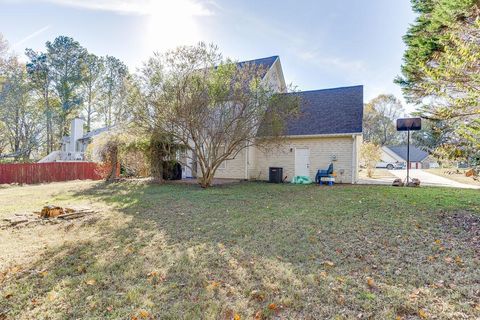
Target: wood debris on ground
(48, 214)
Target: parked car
(391, 165)
(433, 165)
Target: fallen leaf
(152, 274)
(257, 295)
(236, 317)
(431, 258)
(438, 241)
(458, 260)
(15, 269)
(8, 295)
(110, 308)
(414, 294)
(91, 282)
(329, 263)
(371, 282)
(422, 314)
(52, 296)
(272, 306)
(144, 314)
(212, 285)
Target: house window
(223, 165)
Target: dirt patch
(466, 221)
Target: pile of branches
(48, 214)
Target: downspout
(246, 161)
(354, 160)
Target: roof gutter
(330, 135)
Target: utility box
(275, 175)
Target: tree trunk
(156, 162)
(114, 163)
(207, 177)
(89, 109)
(48, 112)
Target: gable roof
(95, 132)
(265, 63)
(328, 111)
(416, 154)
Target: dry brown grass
(459, 177)
(377, 174)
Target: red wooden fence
(28, 173)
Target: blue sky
(321, 43)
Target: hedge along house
(328, 130)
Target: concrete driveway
(429, 179)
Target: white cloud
(30, 36)
(140, 7)
(322, 61)
(165, 24)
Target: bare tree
(93, 68)
(18, 112)
(3, 58)
(379, 119)
(213, 106)
(116, 73)
(40, 76)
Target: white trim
(311, 136)
(392, 154)
(334, 135)
(283, 84)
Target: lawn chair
(324, 174)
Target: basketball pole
(408, 155)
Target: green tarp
(301, 180)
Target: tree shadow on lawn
(292, 251)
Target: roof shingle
(416, 154)
(328, 111)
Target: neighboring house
(419, 159)
(328, 130)
(73, 147)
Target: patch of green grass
(181, 252)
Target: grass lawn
(459, 177)
(244, 251)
